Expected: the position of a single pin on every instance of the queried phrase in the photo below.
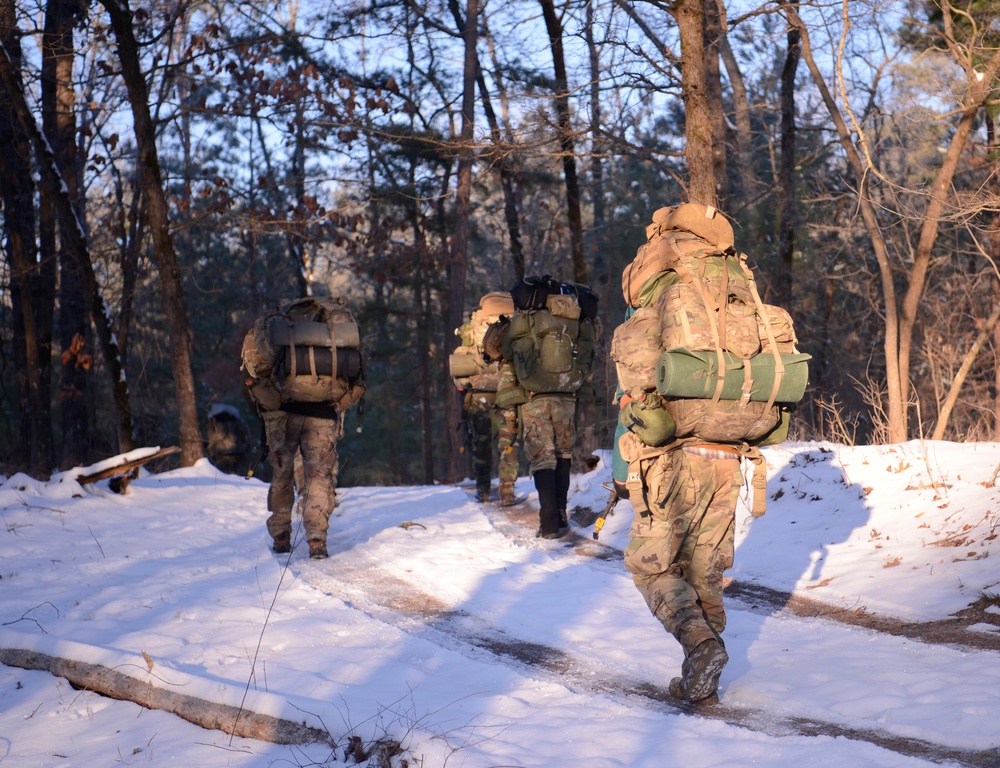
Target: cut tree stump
(123, 474)
(207, 714)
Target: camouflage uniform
(549, 431)
(489, 424)
(549, 434)
(315, 438)
(302, 413)
(479, 376)
(505, 420)
(683, 543)
(479, 412)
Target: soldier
(549, 346)
(489, 423)
(290, 377)
(678, 454)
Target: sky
(442, 624)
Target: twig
(97, 543)
(25, 617)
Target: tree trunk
(207, 714)
(463, 204)
(896, 427)
(689, 16)
(32, 281)
(996, 370)
(59, 125)
(190, 439)
(75, 242)
(566, 144)
(900, 322)
(787, 220)
(505, 167)
(944, 412)
(591, 416)
(978, 84)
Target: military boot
(700, 672)
(548, 510)
(506, 494)
(282, 543)
(482, 487)
(317, 549)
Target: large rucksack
(551, 343)
(467, 365)
(700, 350)
(308, 351)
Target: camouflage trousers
(549, 429)
(681, 546)
(315, 439)
(489, 425)
(505, 420)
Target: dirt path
(363, 584)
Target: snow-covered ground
(444, 625)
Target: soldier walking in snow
(693, 360)
(302, 368)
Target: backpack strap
(293, 362)
(779, 365)
(333, 358)
(688, 276)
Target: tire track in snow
(360, 580)
(513, 522)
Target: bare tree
(463, 196)
(700, 145)
(32, 282)
(714, 34)
(172, 293)
(567, 150)
(788, 222)
(59, 124)
(747, 182)
(74, 240)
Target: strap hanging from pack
(758, 482)
(293, 364)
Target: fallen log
(207, 714)
(123, 474)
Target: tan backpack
(699, 341)
(309, 351)
(467, 365)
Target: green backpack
(701, 356)
(309, 351)
(551, 349)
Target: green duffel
(685, 373)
